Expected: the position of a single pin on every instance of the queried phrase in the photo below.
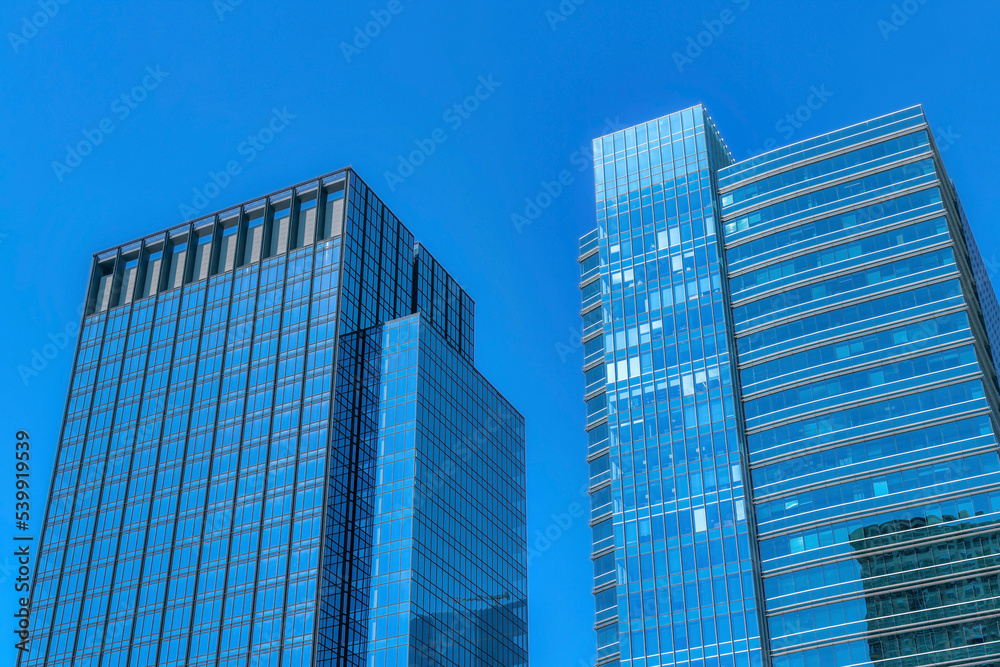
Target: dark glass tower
(277, 451)
(791, 368)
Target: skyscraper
(792, 400)
(277, 450)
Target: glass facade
(675, 576)
(448, 570)
(860, 332)
(277, 451)
(870, 396)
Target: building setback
(792, 402)
(277, 450)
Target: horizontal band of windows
(858, 652)
(873, 636)
(867, 628)
(829, 466)
(917, 271)
(905, 146)
(862, 200)
(891, 428)
(944, 452)
(871, 591)
(808, 361)
(829, 198)
(867, 497)
(599, 486)
(931, 295)
(929, 541)
(888, 260)
(872, 598)
(596, 454)
(844, 140)
(852, 386)
(603, 551)
(829, 152)
(589, 239)
(853, 351)
(602, 517)
(594, 363)
(805, 268)
(903, 351)
(872, 400)
(928, 504)
(591, 307)
(604, 587)
(974, 540)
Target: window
(606, 599)
(700, 524)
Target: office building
(277, 450)
(792, 402)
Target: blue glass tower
(866, 332)
(675, 577)
(277, 451)
(852, 333)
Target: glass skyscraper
(792, 403)
(277, 450)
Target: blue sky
(199, 79)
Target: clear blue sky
(557, 79)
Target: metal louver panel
(152, 281)
(177, 262)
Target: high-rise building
(792, 402)
(277, 450)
